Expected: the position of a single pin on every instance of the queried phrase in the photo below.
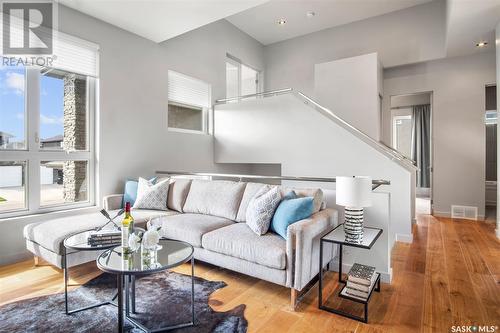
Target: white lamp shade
(354, 191)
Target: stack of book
(105, 237)
(360, 281)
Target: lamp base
(353, 225)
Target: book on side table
(360, 281)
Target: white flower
(134, 242)
(150, 238)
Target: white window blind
(70, 53)
(76, 55)
(187, 90)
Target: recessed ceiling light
(281, 21)
(482, 44)
(310, 14)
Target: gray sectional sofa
(210, 215)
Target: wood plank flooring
(449, 275)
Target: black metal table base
(376, 288)
(66, 303)
(126, 285)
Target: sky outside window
(12, 110)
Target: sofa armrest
(303, 241)
(113, 201)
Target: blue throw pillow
(130, 191)
(290, 211)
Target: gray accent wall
(458, 87)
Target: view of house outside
(63, 126)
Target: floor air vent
(464, 212)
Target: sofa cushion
(238, 240)
(261, 209)
(189, 227)
(152, 196)
(250, 191)
(219, 198)
(316, 193)
(177, 193)
(130, 190)
(51, 233)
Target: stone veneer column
(75, 137)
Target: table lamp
(354, 193)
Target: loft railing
(388, 151)
(375, 182)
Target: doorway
(411, 126)
(490, 120)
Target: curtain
(420, 143)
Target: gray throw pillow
(261, 209)
(152, 196)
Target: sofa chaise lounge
(210, 215)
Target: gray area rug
(163, 299)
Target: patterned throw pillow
(261, 209)
(152, 196)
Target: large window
(46, 152)
(46, 133)
(189, 103)
(241, 79)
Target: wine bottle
(127, 226)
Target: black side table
(337, 236)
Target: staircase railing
(375, 182)
(388, 151)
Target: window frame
(204, 119)
(206, 111)
(394, 128)
(238, 63)
(33, 155)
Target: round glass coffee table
(81, 242)
(126, 266)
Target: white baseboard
(404, 238)
(385, 277)
(497, 231)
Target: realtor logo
(28, 27)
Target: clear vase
(149, 257)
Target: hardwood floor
(449, 275)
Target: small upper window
(241, 80)
(189, 101)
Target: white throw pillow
(261, 209)
(152, 196)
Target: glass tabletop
(168, 254)
(80, 241)
(337, 235)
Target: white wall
(132, 125)
(409, 100)
(411, 35)
(307, 143)
(350, 88)
(458, 87)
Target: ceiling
(469, 22)
(260, 22)
(159, 20)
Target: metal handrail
(394, 154)
(262, 94)
(365, 137)
(375, 182)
